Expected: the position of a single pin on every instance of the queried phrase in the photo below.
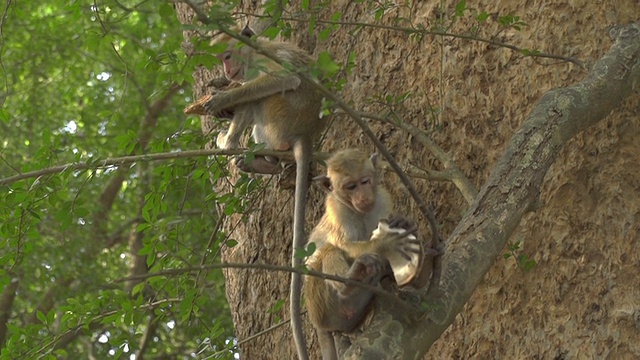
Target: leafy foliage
(84, 81)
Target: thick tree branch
(514, 185)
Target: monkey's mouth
(364, 208)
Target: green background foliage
(84, 81)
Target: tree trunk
(475, 97)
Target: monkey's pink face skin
(361, 194)
(232, 67)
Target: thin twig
(522, 51)
(126, 160)
(452, 171)
(254, 266)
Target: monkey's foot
(259, 165)
(287, 179)
(219, 82)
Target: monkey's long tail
(302, 154)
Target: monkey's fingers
(413, 249)
(413, 240)
(409, 248)
(198, 108)
(404, 255)
(398, 222)
(215, 104)
(411, 232)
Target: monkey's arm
(251, 91)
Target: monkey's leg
(242, 118)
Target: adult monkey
(285, 114)
(284, 110)
(349, 245)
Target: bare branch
(452, 172)
(258, 266)
(127, 160)
(522, 51)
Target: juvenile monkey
(285, 114)
(354, 208)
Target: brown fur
(283, 108)
(285, 114)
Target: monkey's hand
(218, 102)
(397, 237)
(401, 247)
(366, 267)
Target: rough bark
(516, 182)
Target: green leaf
(528, 265)
(461, 6)
(326, 64)
(166, 10)
(4, 116)
(40, 315)
(482, 17)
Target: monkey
(285, 114)
(353, 241)
(284, 110)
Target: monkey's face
(361, 193)
(233, 67)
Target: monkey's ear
(375, 159)
(323, 182)
(247, 32)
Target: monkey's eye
(365, 181)
(350, 186)
(226, 56)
